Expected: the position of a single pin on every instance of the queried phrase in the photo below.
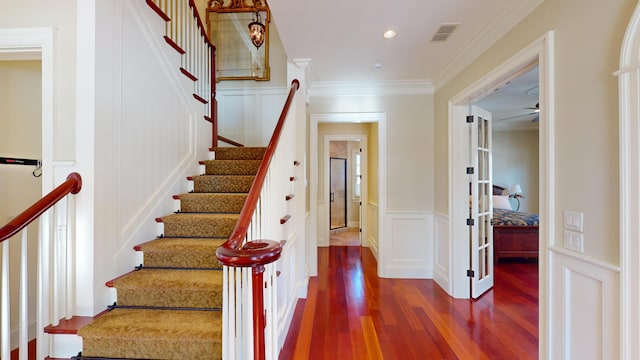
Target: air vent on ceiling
(444, 31)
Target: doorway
(348, 126)
(540, 52)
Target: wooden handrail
(72, 185)
(258, 252)
(229, 141)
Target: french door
(480, 202)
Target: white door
(480, 202)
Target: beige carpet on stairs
(171, 307)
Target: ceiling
(345, 44)
(511, 104)
(343, 39)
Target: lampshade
(256, 31)
(515, 189)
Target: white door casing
(629, 134)
(541, 52)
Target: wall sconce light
(256, 31)
(515, 191)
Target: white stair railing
(187, 34)
(55, 209)
(249, 289)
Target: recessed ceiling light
(390, 34)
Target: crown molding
(344, 88)
(502, 24)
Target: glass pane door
(338, 193)
(480, 186)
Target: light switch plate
(574, 240)
(574, 221)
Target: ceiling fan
(536, 112)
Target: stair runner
(170, 308)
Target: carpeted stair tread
(170, 288)
(154, 334)
(222, 183)
(199, 225)
(239, 153)
(231, 167)
(181, 252)
(212, 202)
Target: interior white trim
(315, 119)
(629, 135)
(540, 51)
(31, 44)
(345, 88)
(511, 15)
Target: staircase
(170, 307)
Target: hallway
(350, 313)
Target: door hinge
(360, 203)
(470, 118)
(360, 230)
(471, 273)
(470, 222)
(470, 170)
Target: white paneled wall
(408, 245)
(249, 116)
(441, 251)
(371, 231)
(583, 307)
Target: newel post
(259, 322)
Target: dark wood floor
(350, 313)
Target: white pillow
(501, 202)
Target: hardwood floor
(344, 237)
(350, 313)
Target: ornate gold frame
(236, 57)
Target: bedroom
(514, 109)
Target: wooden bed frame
(511, 241)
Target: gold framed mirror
(238, 55)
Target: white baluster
(43, 298)
(70, 270)
(23, 309)
(6, 338)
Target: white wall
(404, 246)
(141, 132)
(585, 152)
(61, 15)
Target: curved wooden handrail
(229, 141)
(72, 185)
(257, 252)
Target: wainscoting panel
(249, 115)
(441, 251)
(323, 225)
(583, 307)
(370, 233)
(408, 245)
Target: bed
(515, 234)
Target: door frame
(365, 185)
(541, 51)
(629, 138)
(364, 117)
(36, 44)
(346, 193)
